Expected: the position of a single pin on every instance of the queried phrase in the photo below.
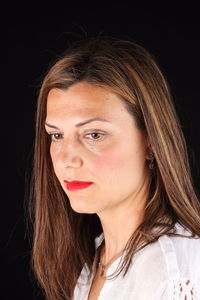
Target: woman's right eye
(55, 136)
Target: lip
(77, 185)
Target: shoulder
(181, 254)
(169, 267)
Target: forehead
(84, 99)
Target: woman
(115, 213)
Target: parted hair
(63, 240)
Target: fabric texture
(168, 269)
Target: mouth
(77, 185)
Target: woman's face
(109, 153)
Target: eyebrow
(80, 124)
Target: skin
(116, 162)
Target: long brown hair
(63, 239)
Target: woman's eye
(55, 136)
(95, 136)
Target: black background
(31, 38)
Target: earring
(152, 164)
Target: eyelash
(54, 139)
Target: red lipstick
(77, 185)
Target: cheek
(52, 155)
(110, 161)
(55, 161)
(126, 159)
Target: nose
(69, 155)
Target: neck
(120, 223)
(116, 240)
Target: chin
(82, 208)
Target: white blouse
(168, 269)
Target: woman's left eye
(95, 136)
